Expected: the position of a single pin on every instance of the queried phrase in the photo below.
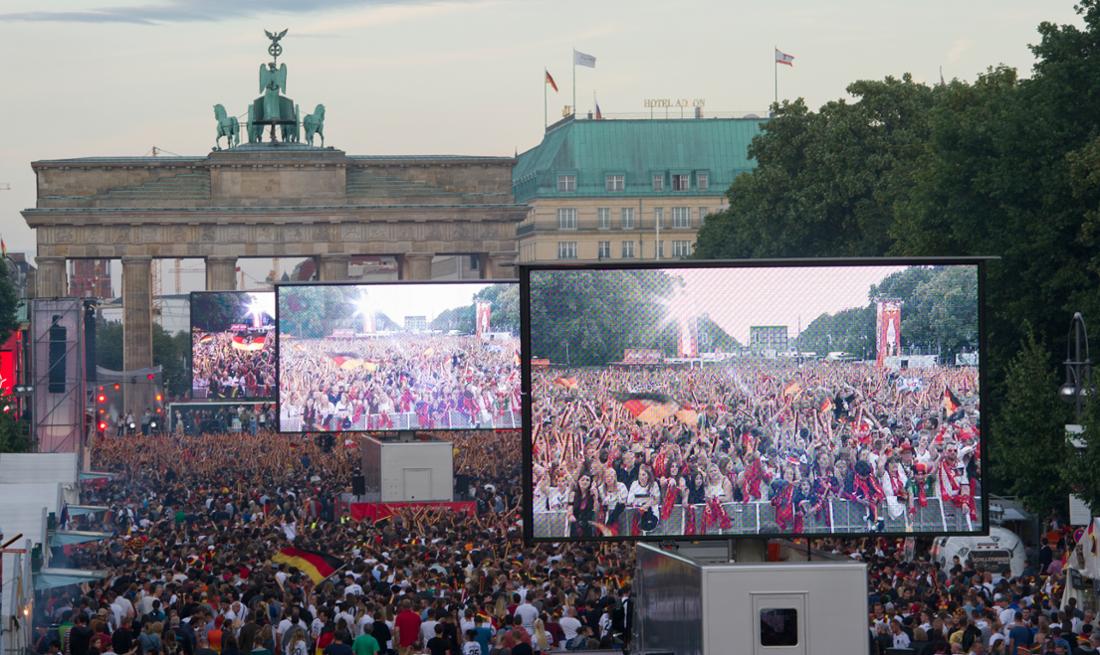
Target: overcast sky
(111, 77)
(737, 298)
(400, 300)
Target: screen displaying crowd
(754, 401)
(232, 357)
(399, 357)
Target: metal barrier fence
(411, 421)
(758, 517)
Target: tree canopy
(1004, 166)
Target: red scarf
(952, 491)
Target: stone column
(221, 273)
(333, 268)
(501, 266)
(52, 279)
(137, 331)
(416, 266)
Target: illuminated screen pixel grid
(760, 400)
(381, 357)
(232, 346)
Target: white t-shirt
(569, 626)
(901, 640)
(427, 629)
(471, 648)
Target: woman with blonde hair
(540, 640)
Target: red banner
(379, 511)
(484, 313)
(888, 330)
(689, 338)
(9, 363)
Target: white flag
(581, 59)
(783, 58)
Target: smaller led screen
(232, 349)
(399, 356)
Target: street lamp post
(1078, 382)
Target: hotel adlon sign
(673, 103)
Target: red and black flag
(648, 407)
(317, 566)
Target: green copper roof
(637, 149)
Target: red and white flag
(550, 80)
(783, 58)
(482, 316)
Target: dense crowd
(411, 381)
(932, 609)
(196, 521)
(794, 436)
(224, 369)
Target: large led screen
(232, 354)
(717, 400)
(399, 356)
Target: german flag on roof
(648, 407)
(317, 566)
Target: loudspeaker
(58, 345)
(358, 484)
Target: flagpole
(545, 122)
(574, 82)
(775, 73)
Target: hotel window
(567, 183)
(603, 218)
(626, 218)
(628, 249)
(659, 182)
(615, 182)
(660, 249)
(567, 218)
(681, 217)
(681, 182)
(681, 248)
(567, 250)
(702, 180)
(703, 211)
(605, 250)
(659, 216)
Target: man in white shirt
(569, 625)
(351, 587)
(427, 628)
(901, 639)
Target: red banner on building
(484, 314)
(10, 358)
(888, 330)
(689, 338)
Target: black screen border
(191, 348)
(356, 283)
(525, 271)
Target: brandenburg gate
(271, 196)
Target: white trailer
(402, 470)
(701, 606)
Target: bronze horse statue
(227, 127)
(315, 124)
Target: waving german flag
(648, 407)
(951, 402)
(317, 566)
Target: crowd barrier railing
(453, 419)
(758, 518)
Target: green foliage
(212, 312)
(14, 435)
(1083, 472)
(588, 318)
(1029, 457)
(9, 303)
(850, 331)
(170, 351)
(1002, 166)
(826, 181)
